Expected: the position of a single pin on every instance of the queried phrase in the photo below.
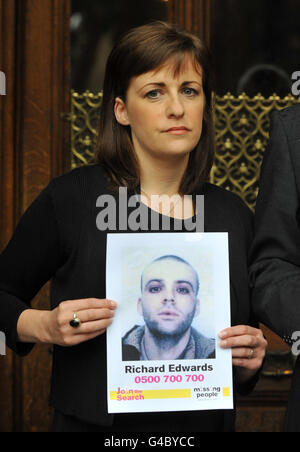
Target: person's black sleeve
(275, 256)
(248, 386)
(29, 260)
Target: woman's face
(164, 111)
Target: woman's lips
(178, 130)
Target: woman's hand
(53, 327)
(248, 349)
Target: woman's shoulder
(226, 204)
(82, 173)
(82, 181)
(72, 191)
(217, 193)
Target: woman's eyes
(155, 94)
(190, 92)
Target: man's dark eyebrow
(152, 280)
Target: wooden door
(34, 147)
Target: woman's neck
(163, 177)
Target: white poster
(173, 297)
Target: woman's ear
(121, 112)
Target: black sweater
(57, 239)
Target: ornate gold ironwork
(84, 118)
(242, 132)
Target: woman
(156, 137)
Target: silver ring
(251, 354)
(75, 322)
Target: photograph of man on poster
(168, 304)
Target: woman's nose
(175, 107)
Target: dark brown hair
(141, 50)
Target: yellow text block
(151, 394)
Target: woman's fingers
(86, 310)
(93, 326)
(87, 303)
(248, 346)
(240, 341)
(239, 330)
(95, 316)
(92, 315)
(243, 353)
